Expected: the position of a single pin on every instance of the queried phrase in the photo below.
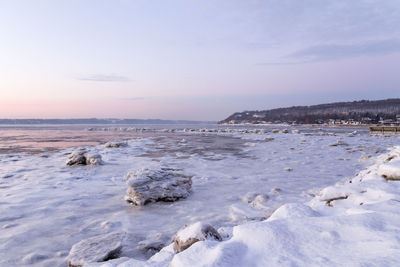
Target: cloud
(339, 51)
(329, 52)
(105, 78)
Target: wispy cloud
(339, 51)
(105, 78)
(329, 52)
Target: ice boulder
(96, 249)
(191, 234)
(82, 157)
(115, 144)
(158, 184)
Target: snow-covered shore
(237, 177)
(353, 223)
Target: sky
(194, 60)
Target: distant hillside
(97, 121)
(363, 111)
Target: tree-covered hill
(363, 111)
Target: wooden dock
(384, 129)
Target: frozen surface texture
(353, 223)
(96, 249)
(160, 184)
(239, 180)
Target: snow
(47, 207)
(391, 170)
(361, 230)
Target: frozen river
(46, 206)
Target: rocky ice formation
(96, 249)
(82, 157)
(159, 184)
(191, 234)
(116, 144)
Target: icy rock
(81, 157)
(160, 184)
(116, 144)
(96, 249)
(191, 234)
(332, 193)
(390, 171)
(93, 159)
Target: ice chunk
(96, 249)
(82, 157)
(160, 184)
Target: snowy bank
(354, 223)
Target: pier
(384, 129)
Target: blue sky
(199, 60)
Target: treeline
(361, 111)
